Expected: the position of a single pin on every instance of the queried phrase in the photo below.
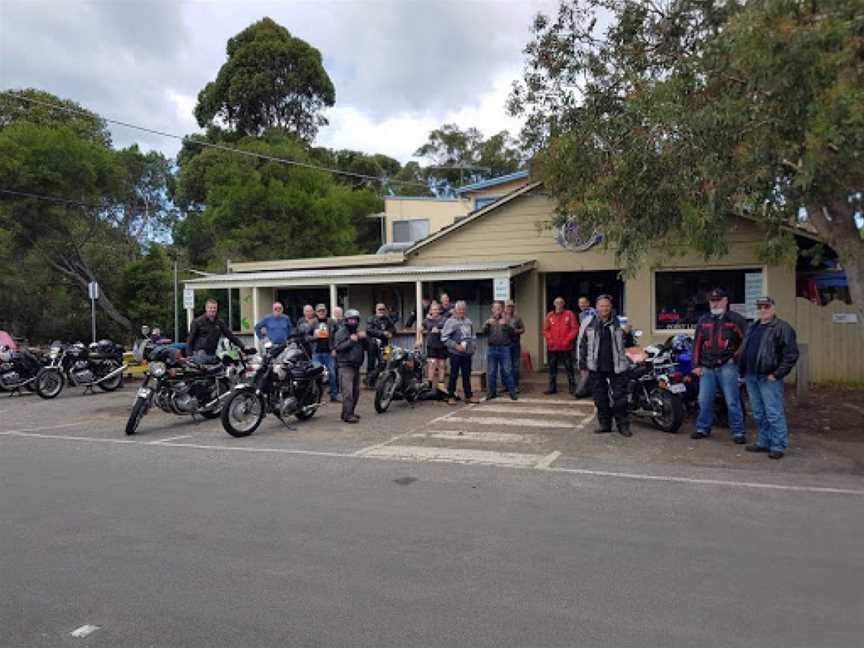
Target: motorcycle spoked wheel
(242, 413)
(139, 409)
(384, 392)
(312, 396)
(49, 383)
(113, 383)
(672, 411)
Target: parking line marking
(556, 401)
(363, 451)
(204, 446)
(48, 427)
(515, 408)
(517, 422)
(547, 461)
(441, 418)
(422, 454)
(587, 421)
(174, 438)
(84, 630)
(486, 437)
(37, 435)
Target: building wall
(441, 212)
(521, 230)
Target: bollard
(802, 375)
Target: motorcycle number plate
(143, 392)
(678, 388)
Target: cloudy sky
(400, 67)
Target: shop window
(408, 231)
(681, 298)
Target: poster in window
(752, 291)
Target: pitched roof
(492, 182)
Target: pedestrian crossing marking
(515, 408)
(456, 455)
(484, 437)
(513, 422)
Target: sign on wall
(575, 237)
(501, 289)
(844, 318)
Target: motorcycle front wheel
(112, 383)
(385, 391)
(139, 409)
(671, 411)
(49, 383)
(242, 413)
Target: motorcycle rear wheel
(242, 413)
(672, 411)
(384, 392)
(49, 383)
(139, 409)
(113, 383)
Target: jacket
(778, 350)
(500, 333)
(718, 339)
(459, 330)
(588, 345)
(204, 335)
(377, 326)
(560, 329)
(349, 353)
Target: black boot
(603, 427)
(553, 387)
(571, 385)
(624, 429)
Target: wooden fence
(836, 349)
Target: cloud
(400, 68)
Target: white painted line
(363, 451)
(547, 461)
(49, 427)
(514, 422)
(484, 437)
(515, 408)
(587, 422)
(174, 438)
(204, 446)
(708, 482)
(441, 418)
(84, 630)
(555, 401)
(37, 435)
(456, 455)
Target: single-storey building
(509, 249)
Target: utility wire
(27, 194)
(222, 147)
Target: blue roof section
(491, 182)
(420, 198)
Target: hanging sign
(188, 298)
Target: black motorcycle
(98, 365)
(197, 386)
(652, 391)
(285, 382)
(18, 369)
(403, 377)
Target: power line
(222, 147)
(27, 194)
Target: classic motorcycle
(98, 365)
(653, 391)
(18, 369)
(196, 386)
(285, 382)
(403, 377)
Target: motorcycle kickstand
(88, 388)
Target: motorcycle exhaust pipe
(110, 375)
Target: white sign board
(93, 290)
(501, 289)
(845, 318)
(188, 298)
(753, 290)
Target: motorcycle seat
(307, 371)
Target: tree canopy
(680, 113)
(270, 80)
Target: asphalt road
(282, 540)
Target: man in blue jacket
(278, 325)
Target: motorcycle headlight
(325, 375)
(157, 369)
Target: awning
(363, 275)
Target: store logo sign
(575, 237)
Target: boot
(571, 384)
(603, 427)
(624, 429)
(553, 386)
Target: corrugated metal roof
(384, 271)
(492, 182)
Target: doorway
(572, 285)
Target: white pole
(93, 317)
(230, 318)
(255, 314)
(418, 320)
(176, 307)
(333, 298)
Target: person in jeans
(499, 331)
(436, 352)
(458, 336)
(718, 337)
(768, 354)
(320, 335)
(517, 329)
(560, 329)
(349, 345)
(600, 350)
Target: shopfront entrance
(572, 285)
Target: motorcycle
(196, 386)
(18, 369)
(403, 377)
(98, 365)
(284, 382)
(653, 391)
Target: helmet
(352, 313)
(682, 342)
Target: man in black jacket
(349, 344)
(718, 337)
(206, 330)
(380, 330)
(768, 354)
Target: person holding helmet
(350, 345)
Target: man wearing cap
(768, 354)
(718, 338)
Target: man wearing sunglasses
(769, 352)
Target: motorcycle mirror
(638, 333)
(145, 330)
(268, 344)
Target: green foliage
(678, 114)
(89, 126)
(270, 80)
(147, 290)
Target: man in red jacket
(560, 328)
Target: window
(681, 298)
(482, 201)
(408, 231)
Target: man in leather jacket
(768, 354)
(206, 330)
(380, 330)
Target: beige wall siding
(440, 213)
(836, 351)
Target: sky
(400, 68)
